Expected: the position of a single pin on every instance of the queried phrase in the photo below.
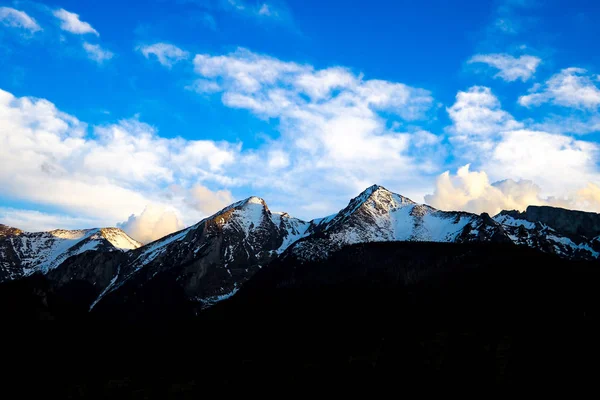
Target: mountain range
(211, 260)
(384, 291)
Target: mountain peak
(6, 230)
(372, 189)
(378, 195)
(254, 200)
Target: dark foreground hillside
(379, 316)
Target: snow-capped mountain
(378, 215)
(210, 260)
(24, 253)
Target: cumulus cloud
(105, 173)
(333, 123)
(166, 54)
(472, 191)
(578, 123)
(70, 22)
(18, 19)
(478, 118)
(571, 87)
(207, 201)
(504, 148)
(36, 221)
(510, 68)
(153, 223)
(97, 53)
(558, 163)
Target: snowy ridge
(212, 259)
(542, 237)
(378, 215)
(219, 253)
(44, 251)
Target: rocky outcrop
(6, 231)
(567, 222)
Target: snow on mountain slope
(542, 237)
(379, 215)
(24, 253)
(211, 259)
(291, 228)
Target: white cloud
(472, 191)
(18, 19)
(278, 159)
(207, 201)
(333, 124)
(97, 53)
(237, 4)
(478, 118)
(577, 123)
(503, 147)
(337, 133)
(505, 25)
(153, 223)
(204, 86)
(558, 163)
(259, 10)
(36, 221)
(52, 159)
(329, 119)
(70, 22)
(265, 10)
(571, 87)
(510, 68)
(166, 54)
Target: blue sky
(151, 115)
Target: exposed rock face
(567, 222)
(8, 231)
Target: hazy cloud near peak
(153, 223)
(209, 202)
(472, 191)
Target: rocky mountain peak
(6, 230)
(373, 201)
(255, 200)
(118, 238)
